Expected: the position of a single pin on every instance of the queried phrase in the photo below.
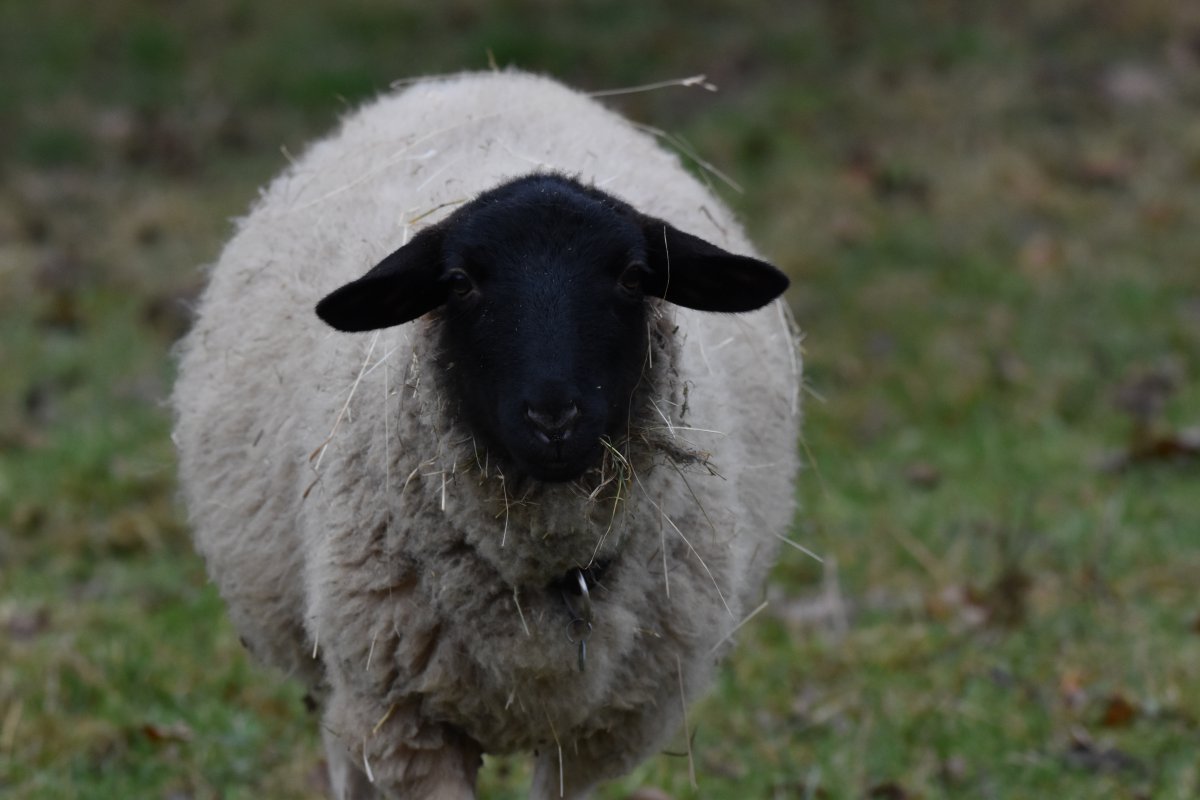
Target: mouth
(557, 464)
(556, 471)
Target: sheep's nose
(553, 424)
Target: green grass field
(992, 221)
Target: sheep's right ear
(402, 287)
(691, 272)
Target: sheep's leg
(446, 774)
(436, 763)
(575, 781)
(574, 771)
(399, 771)
(346, 780)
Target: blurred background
(991, 215)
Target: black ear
(688, 271)
(400, 288)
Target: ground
(989, 217)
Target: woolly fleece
(364, 545)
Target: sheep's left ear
(398, 289)
(688, 271)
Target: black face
(548, 318)
(544, 284)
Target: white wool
(342, 513)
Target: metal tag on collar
(580, 626)
(585, 610)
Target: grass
(990, 223)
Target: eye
(630, 281)
(460, 283)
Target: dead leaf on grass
(1118, 712)
(1177, 447)
(1143, 397)
(888, 790)
(165, 734)
(1005, 599)
(923, 475)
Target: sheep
(527, 501)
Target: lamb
(525, 505)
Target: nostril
(554, 423)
